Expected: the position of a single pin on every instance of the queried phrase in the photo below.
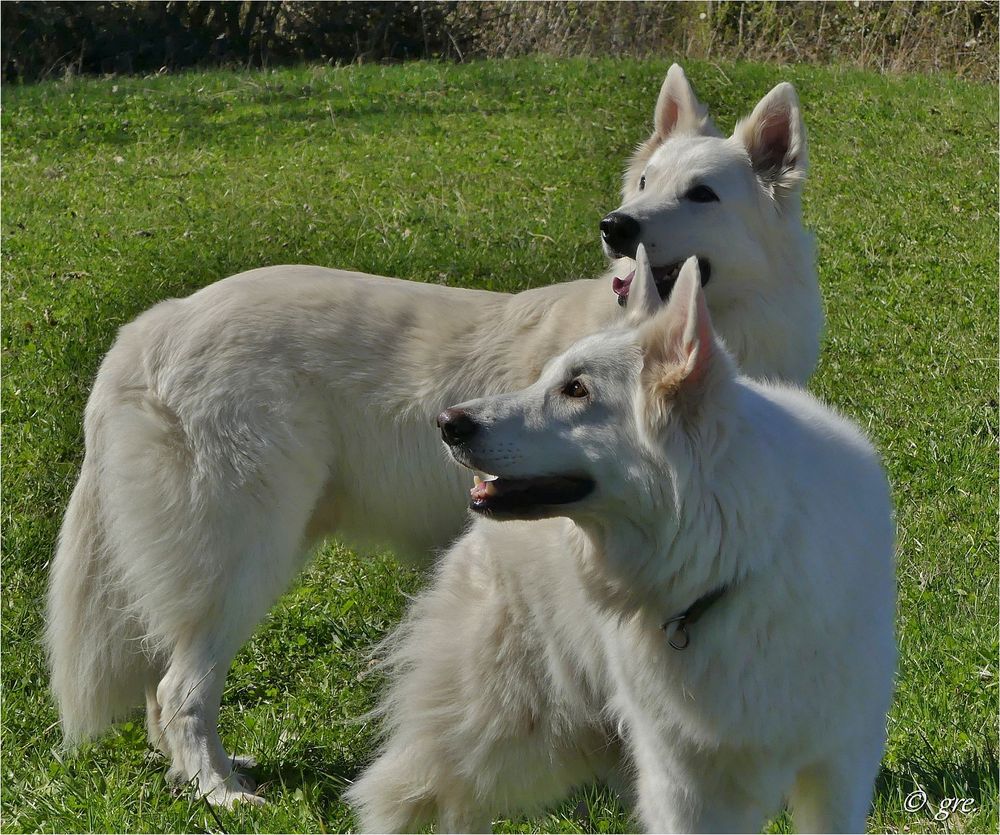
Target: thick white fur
(538, 644)
(753, 230)
(229, 431)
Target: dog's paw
(232, 799)
(227, 797)
(242, 761)
(234, 788)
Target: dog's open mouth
(664, 277)
(524, 498)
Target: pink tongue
(621, 285)
(483, 490)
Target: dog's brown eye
(701, 194)
(642, 182)
(574, 388)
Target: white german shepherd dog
(711, 583)
(230, 431)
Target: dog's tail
(98, 670)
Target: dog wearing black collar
(674, 573)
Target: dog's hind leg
(204, 645)
(480, 720)
(158, 739)
(154, 725)
(392, 795)
(461, 817)
(250, 566)
(189, 696)
(405, 789)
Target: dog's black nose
(456, 426)
(621, 233)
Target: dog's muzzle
(456, 425)
(620, 232)
(664, 277)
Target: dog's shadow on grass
(198, 121)
(320, 777)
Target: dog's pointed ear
(775, 138)
(695, 342)
(643, 297)
(678, 344)
(678, 109)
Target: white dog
(720, 595)
(229, 431)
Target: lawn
(120, 192)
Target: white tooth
(488, 477)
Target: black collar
(689, 616)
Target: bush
(958, 37)
(42, 39)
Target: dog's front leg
(663, 802)
(683, 790)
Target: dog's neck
(658, 571)
(663, 556)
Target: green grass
(119, 193)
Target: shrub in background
(55, 38)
